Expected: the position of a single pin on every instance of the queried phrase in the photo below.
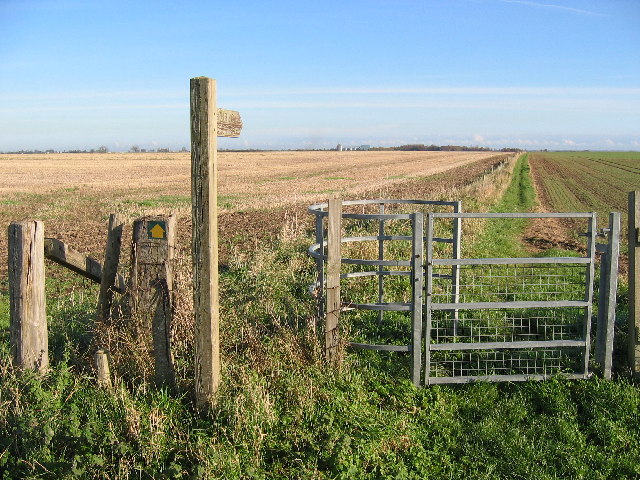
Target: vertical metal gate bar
(588, 294)
(455, 269)
(633, 241)
(417, 276)
(601, 323)
(613, 250)
(428, 298)
(320, 264)
(380, 267)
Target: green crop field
(586, 181)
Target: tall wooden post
(204, 197)
(207, 123)
(27, 310)
(334, 262)
(109, 268)
(634, 282)
(151, 287)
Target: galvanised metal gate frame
(523, 339)
(528, 338)
(384, 267)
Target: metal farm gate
(475, 319)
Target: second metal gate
(488, 319)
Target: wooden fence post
(634, 282)
(334, 262)
(103, 373)
(151, 287)
(109, 268)
(204, 197)
(28, 316)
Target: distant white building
(339, 147)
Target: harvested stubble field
(75, 193)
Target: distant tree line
(420, 147)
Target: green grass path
(501, 238)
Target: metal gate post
(417, 277)
(607, 309)
(634, 282)
(428, 299)
(588, 294)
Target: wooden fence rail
(61, 253)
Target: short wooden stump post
(151, 287)
(27, 311)
(103, 372)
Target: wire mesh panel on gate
(513, 318)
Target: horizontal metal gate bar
(504, 378)
(499, 305)
(498, 345)
(510, 261)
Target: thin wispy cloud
(470, 90)
(554, 7)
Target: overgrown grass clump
(282, 412)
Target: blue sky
(557, 74)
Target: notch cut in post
(27, 306)
(334, 262)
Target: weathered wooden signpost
(151, 287)
(207, 123)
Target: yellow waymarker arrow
(157, 231)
